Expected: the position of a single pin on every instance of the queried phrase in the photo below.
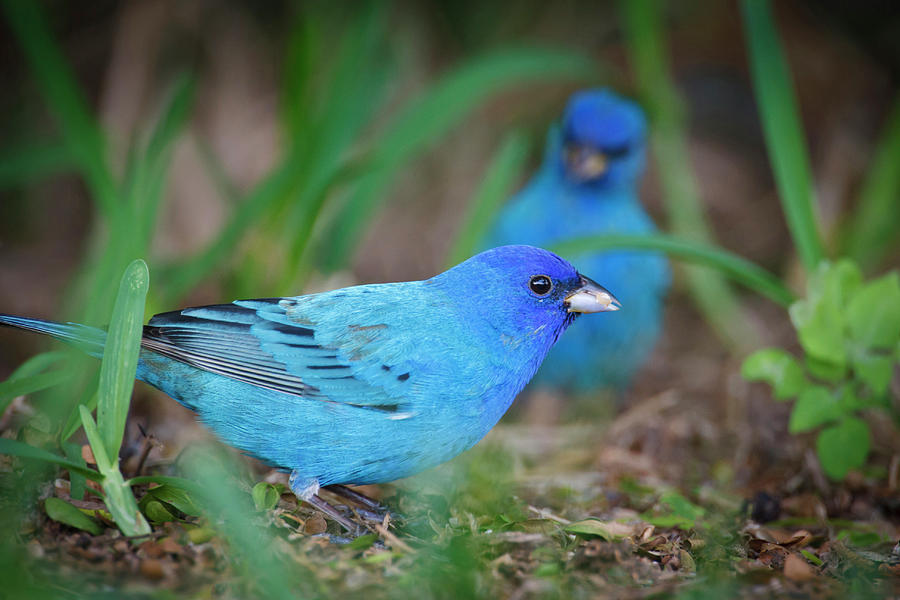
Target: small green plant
(850, 334)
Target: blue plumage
(587, 185)
(369, 383)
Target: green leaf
(682, 507)
(779, 369)
(781, 125)
(812, 558)
(120, 356)
(815, 406)
(843, 447)
(836, 282)
(820, 327)
(826, 371)
(875, 371)
(363, 542)
(177, 497)
(265, 496)
(155, 510)
(874, 313)
(596, 528)
(61, 511)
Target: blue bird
(587, 185)
(364, 384)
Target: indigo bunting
(363, 384)
(587, 185)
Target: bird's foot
(371, 511)
(307, 489)
(352, 528)
(368, 508)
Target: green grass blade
(782, 129)
(61, 92)
(178, 482)
(180, 278)
(358, 83)
(433, 114)
(88, 397)
(687, 218)
(27, 378)
(23, 164)
(119, 499)
(253, 548)
(731, 265)
(120, 356)
(502, 174)
(23, 450)
(20, 386)
(37, 363)
(873, 228)
(77, 483)
(150, 172)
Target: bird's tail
(87, 339)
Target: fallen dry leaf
(315, 524)
(796, 568)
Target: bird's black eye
(540, 284)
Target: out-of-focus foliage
(850, 334)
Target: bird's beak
(591, 297)
(586, 163)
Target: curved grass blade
(429, 117)
(254, 549)
(22, 164)
(873, 228)
(23, 450)
(20, 386)
(782, 129)
(120, 356)
(739, 269)
(61, 92)
(643, 24)
(77, 483)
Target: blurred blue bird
(364, 384)
(587, 185)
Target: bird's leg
(359, 498)
(334, 513)
(372, 511)
(307, 489)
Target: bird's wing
(270, 344)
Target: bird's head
(603, 139)
(523, 292)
